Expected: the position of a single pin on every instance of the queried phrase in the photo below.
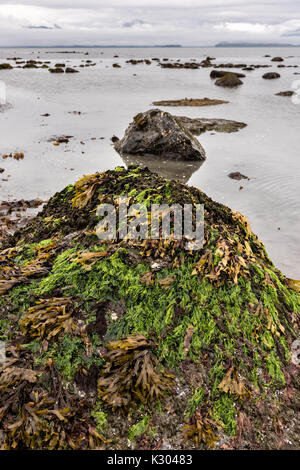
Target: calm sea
(267, 150)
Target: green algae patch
(95, 330)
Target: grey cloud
(132, 23)
(292, 33)
(43, 27)
(192, 22)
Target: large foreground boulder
(159, 133)
(123, 344)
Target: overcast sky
(146, 22)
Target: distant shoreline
(166, 46)
(242, 44)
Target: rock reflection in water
(180, 170)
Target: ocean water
(267, 150)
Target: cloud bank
(147, 22)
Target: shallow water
(267, 150)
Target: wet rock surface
(57, 70)
(271, 75)
(178, 65)
(285, 93)
(190, 102)
(158, 133)
(198, 126)
(229, 80)
(71, 70)
(237, 176)
(16, 214)
(277, 59)
(5, 66)
(222, 73)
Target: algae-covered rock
(190, 102)
(120, 343)
(159, 133)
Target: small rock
(229, 81)
(285, 93)
(56, 70)
(5, 67)
(238, 176)
(70, 70)
(277, 59)
(271, 75)
(222, 73)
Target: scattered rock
(200, 125)
(177, 65)
(61, 140)
(229, 81)
(56, 70)
(238, 176)
(285, 93)
(190, 102)
(15, 156)
(115, 139)
(158, 133)
(271, 75)
(71, 70)
(30, 65)
(5, 67)
(222, 73)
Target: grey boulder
(158, 133)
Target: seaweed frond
(200, 430)
(132, 373)
(48, 318)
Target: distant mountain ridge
(251, 44)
